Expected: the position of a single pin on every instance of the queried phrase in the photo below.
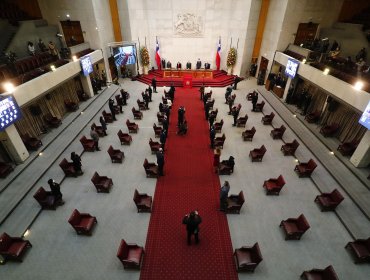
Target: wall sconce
(74, 58)
(326, 71)
(359, 85)
(52, 67)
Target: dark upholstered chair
(305, 169)
(313, 117)
(124, 138)
(99, 129)
(143, 202)
(257, 154)
(274, 185)
(360, 249)
(329, 201)
(68, 168)
(218, 126)
(5, 169)
(214, 113)
(137, 114)
(116, 156)
(242, 121)
(107, 117)
(277, 133)
(250, 95)
(71, 106)
(294, 228)
(219, 141)
(259, 106)
(31, 143)
(130, 255)
(225, 168)
(151, 169)
(247, 258)
(160, 117)
(46, 199)
(267, 119)
(289, 149)
(102, 183)
(157, 130)
(88, 144)
(235, 203)
(248, 134)
(329, 130)
(348, 148)
(52, 121)
(132, 127)
(154, 146)
(141, 105)
(13, 248)
(83, 223)
(327, 273)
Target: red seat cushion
(17, 248)
(290, 227)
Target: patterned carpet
(189, 183)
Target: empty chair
(329, 201)
(248, 134)
(137, 114)
(5, 169)
(305, 169)
(141, 105)
(247, 258)
(327, 273)
(242, 121)
(132, 127)
(68, 168)
(289, 149)
(277, 133)
(274, 185)
(31, 143)
(348, 148)
(257, 153)
(130, 255)
(360, 249)
(102, 183)
(52, 121)
(124, 138)
(46, 199)
(313, 117)
(151, 169)
(267, 119)
(108, 118)
(294, 228)
(157, 130)
(88, 144)
(235, 203)
(218, 126)
(99, 129)
(259, 106)
(219, 141)
(143, 202)
(154, 146)
(83, 223)
(71, 106)
(160, 117)
(329, 130)
(116, 156)
(13, 248)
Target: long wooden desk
(201, 73)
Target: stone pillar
(14, 145)
(86, 85)
(287, 86)
(361, 157)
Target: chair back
(83, 139)
(280, 181)
(221, 122)
(75, 218)
(253, 130)
(64, 164)
(151, 142)
(295, 144)
(95, 178)
(120, 133)
(336, 196)
(272, 115)
(136, 196)
(302, 223)
(122, 250)
(128, 122)
(367, 243)
(110, 151)
(241, 198)
(262, 150)
(256, 254)
(329, 273)
(40, 195)
(223, 137)
(5, 242)
(133, 110)
(311, 165)
(145, 164)
(282, 128)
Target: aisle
(189, 183)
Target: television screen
(365, 118)
(124, 55)
(9, 112)
(291, 68)
(86, 65)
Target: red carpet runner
(189, 183)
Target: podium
(187, 81)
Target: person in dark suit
(150, 91)
(160, 161)
(163, 62)
(163, 138)
(169, 65)
(171, 92)
(199, 64)
(211, 119)
(192, 221)
(224, 192)
(188, 65)
(111, 108)
(178, 65)
(95, 136)
(124, 97)
(235, 113)
(103, 125)
(212, 135)
(236, 81)
(76, 162)
(154, 84)
(55, 191)
(207, 65)
(254, 100)
(201, 90)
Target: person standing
(146, 99)
(154, 85)
(254, 100)
(163, 138)
(95, 136)
(201, 90)
(199, 64)
(160, 161)
(206, 109)
(192, 221)
(55, 191)
(212, 135)
(165, 123)
(103, 125)
(216, 159)
(111, 108)
(150, 91)
(211, 119)
(53, 50)
(235, 113)
(227, 93)
(230, 102)
(224, 192)
(76, 159)
(124, 97)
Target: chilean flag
(157, 55)
(218, 55)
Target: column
(14, 145)
(287, 86)
(86, 85)
(361, 157)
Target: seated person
(55, 190)
(183, 128)
(230, 163)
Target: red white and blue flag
(157, 55)
(218, 55)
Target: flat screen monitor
(365, 118)
(291, 68)
(124, 55)
(9, 112)
(86, 65)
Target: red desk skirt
(187, 81)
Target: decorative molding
(188, 25)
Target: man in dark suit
(178, 65)
(111, 108)
(55, 191)
(199, 64)
(192, 221)
(154, 84)
(169, 65)
(207, 65)
(188, 65)
(163, 62)
(201, 90)
(212, 135)
(236, 81)
(160, 161)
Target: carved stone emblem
(188, 24)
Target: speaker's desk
(201, 73)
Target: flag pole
(137, 60)
(231, 41)
(237, 44)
